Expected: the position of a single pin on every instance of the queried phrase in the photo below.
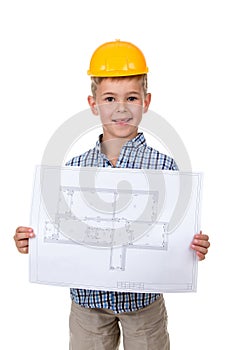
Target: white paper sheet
(115, 229)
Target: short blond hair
(95, 81)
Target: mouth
(122, 121)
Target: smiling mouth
(122, 120)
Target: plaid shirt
(134, 154)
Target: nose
(121, 107)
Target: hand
(200, 244)
(21, 237)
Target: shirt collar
(137, 141)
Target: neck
(112, 148)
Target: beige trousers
(98, 329)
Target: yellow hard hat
(117, 59)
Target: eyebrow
(128, 93)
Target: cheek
(136, 111)
(105, 118)
(105, 113)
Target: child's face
(120, 104)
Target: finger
(202, 237)
(23, 250)
(22, 246)
(201, 243)
(198, 249)
(22, 229)
(200, 256)
(22, 243)
(23, 235)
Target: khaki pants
(98, 329)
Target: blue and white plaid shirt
(134, 154)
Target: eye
(132, 99)
(109, 99)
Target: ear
(146, 102)
(92, 104)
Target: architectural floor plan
(115, 229)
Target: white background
(45, 52)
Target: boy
(119, 96)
